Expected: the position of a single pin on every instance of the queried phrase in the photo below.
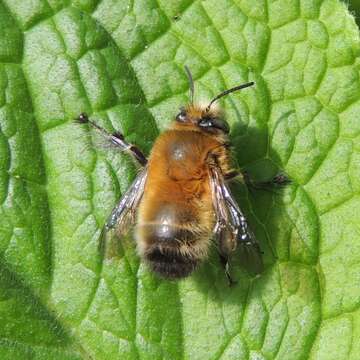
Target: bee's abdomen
(169, 263)
(166, 234)
(169, 250)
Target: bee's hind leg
(225, 264)
(116, 139)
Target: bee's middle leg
(279, 180)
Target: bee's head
(210, 121)
(205, 118)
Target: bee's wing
(123, 215)
(231, 228)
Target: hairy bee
(180, 199)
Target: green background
(122, 62)
(354, 7)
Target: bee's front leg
(116, 139)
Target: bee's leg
(279, 180)
(117, 139)
(233, 174)
(225, 264)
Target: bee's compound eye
(205, 123)
(181, 116)
(217, 123)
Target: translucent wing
(123, 215)
(231, 228)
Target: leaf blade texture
(122, 63)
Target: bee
(180, 201)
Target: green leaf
(354, 7)
(122, 62)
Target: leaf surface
(122, 63)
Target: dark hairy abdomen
(169, 248)
(170, 264)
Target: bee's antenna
(191, 83)
(236, 88)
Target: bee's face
(210, 121)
